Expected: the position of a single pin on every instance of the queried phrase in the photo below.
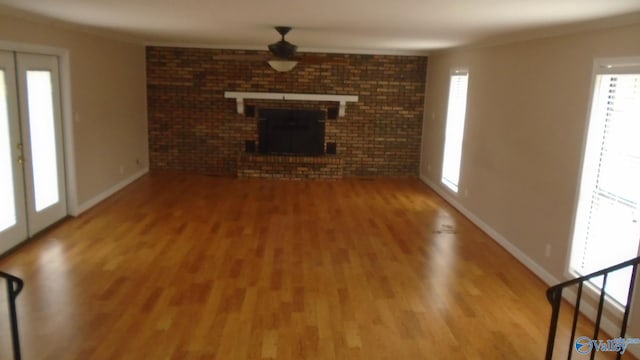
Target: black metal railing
(14, 286)
(554, 295)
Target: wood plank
(184, 266)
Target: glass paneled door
(32, 184)
(13, 216)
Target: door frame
(19, 231)
(66, 110)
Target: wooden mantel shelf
(240, 96)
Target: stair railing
(14, 287)
(554, 295)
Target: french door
(32, 183)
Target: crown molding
(390, 52)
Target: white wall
(526, 118)
(106, 113)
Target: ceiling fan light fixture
(282, 65)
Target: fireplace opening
(291, 132)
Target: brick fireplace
(193, 127)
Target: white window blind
(607, 226)
(454, 133)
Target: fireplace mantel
(240, 96)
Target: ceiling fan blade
(283, 49)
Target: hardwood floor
(183, 266)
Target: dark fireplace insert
(291, 132)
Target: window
(43, 138)
(607, 224)
(454, 132)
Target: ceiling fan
(283, 49)
(283, 54)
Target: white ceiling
(374, 26)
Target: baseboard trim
(80, 208)
(540, 272)
(609, 326)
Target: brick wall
(193, 127)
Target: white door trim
(18, 232)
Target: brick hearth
(290, 167)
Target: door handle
(20, 160)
